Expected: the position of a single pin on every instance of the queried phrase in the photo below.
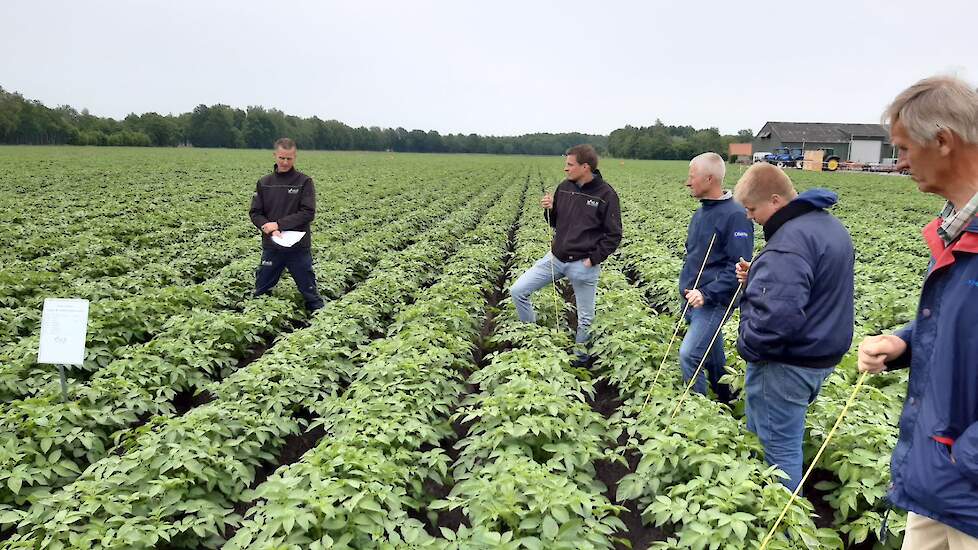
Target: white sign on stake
(64, 325)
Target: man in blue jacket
(934, 468)
(796, 316)
(722, 223)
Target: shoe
(581, 361)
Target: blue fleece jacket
(726, 219)
(798, 303)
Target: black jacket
(288, 199)
(587, 219)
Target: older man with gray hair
(934, 468)
(718, 235)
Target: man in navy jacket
(796, 316)
(934, 468)
(722, 223)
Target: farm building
(852, 142)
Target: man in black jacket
(587, 218)
(285, 200)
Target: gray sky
(500, 68)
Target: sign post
(64, 325)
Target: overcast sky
(502, 68)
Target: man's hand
(875, 351)
(694, 297)
(743, 268)
(276, 233)
(547, 201)
(269, 228)
(587, 262)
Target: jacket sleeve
(965, 452)
(738, 243)
(612, 231)
(306, 212)
(778, 291)
(257, 211)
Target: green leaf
(14, 484)
(550, 528)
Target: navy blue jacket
(727, 219)
(940, 414)
(798, 303)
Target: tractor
(784, 157)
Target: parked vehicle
(784, 157)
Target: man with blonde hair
(719, 233)
(934, 468)
(796, 316)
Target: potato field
(414, 410)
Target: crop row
(364, 483)
(525, 475)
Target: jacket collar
(789, 212)
(595, 182)
(277, 173)
(943, 255)
(727, 195)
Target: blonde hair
(935, 103)
(762, 181)
(711, 164)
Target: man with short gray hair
(934, 468)
(719, 234)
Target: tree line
(29, 122)
(663, 142)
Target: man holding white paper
(283, 207)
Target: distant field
(414, 411)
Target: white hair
(710, 164)
(936, 103)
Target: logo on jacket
(973, 283)
(741, 234)
(592, 202)
(293, 190)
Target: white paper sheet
(288, 238)
(64, 325)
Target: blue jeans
(703, 323)
(299, 263)
(778, 396)
(583, 279)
